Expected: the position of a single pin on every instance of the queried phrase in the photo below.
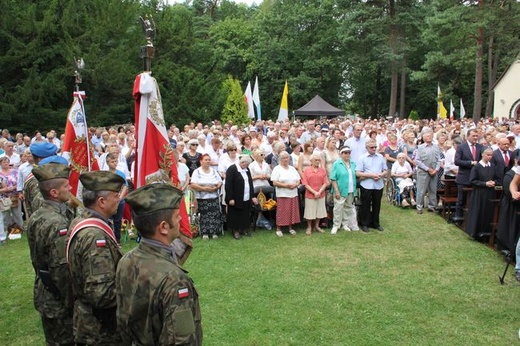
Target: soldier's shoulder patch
(183, 292)
(63, 232)
(101, 243)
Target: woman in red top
(315, 180)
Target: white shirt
(255, 169)
(14, 159)
(449, 162)
(285, 175)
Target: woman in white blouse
(286, 180)
(261, 173)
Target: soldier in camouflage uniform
(31, 193)
(157, 303)
(47, 236)
(93, 254)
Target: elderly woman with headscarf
(206, 183)
(239, 196)
(286, 180)
(315, 180)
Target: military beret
(51, 171)
(45, 149)
(54, 159)
(154, 197)
(101, 181)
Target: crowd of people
(86, 290)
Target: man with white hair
(356, 143)
(428, 159)
(310, 133)
(14, 158)
(267, 146)
(502, 160)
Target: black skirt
(239, 219)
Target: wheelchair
(392, 192)
(393, 195)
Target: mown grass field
(421, 282)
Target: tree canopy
(373, 58)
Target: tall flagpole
(155, 160)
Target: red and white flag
(155, 161)
(248, 99)
(76, 146)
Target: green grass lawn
(421, 282)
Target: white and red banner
(248, 99)
(154, 161)
(76, 146)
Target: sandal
(292, 231)
(279, 233)
(308, 231)
(319, 230)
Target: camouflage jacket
(93, 257)
(33, 196)
(157, 303)
(47, 237)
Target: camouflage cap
(154, 197)
(51, 171)
(101, 181)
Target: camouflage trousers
(58, 332)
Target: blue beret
(54, 159)
(43, 150)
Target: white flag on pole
(256, 99)
(462, 110)
(248, 98)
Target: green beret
(51, 171)
(101, 181)
(153, 197)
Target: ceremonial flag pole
(283, 114)
(77, 148)
(155, 161)
(256, 99)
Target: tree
(235, 109)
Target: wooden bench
(448, 198)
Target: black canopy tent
(319, 107)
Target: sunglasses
(195, 144)
(371, 147)
(232, 150)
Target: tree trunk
(394, 81)
(377, 98)
(402, 96)
(393, 92)
(492, 76)
(477, 95)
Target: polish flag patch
(63, 232)
(101, 243)
(184, 293)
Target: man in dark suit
(502, 160)
(468, 154)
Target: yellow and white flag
(442, 112)
(283, 114)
